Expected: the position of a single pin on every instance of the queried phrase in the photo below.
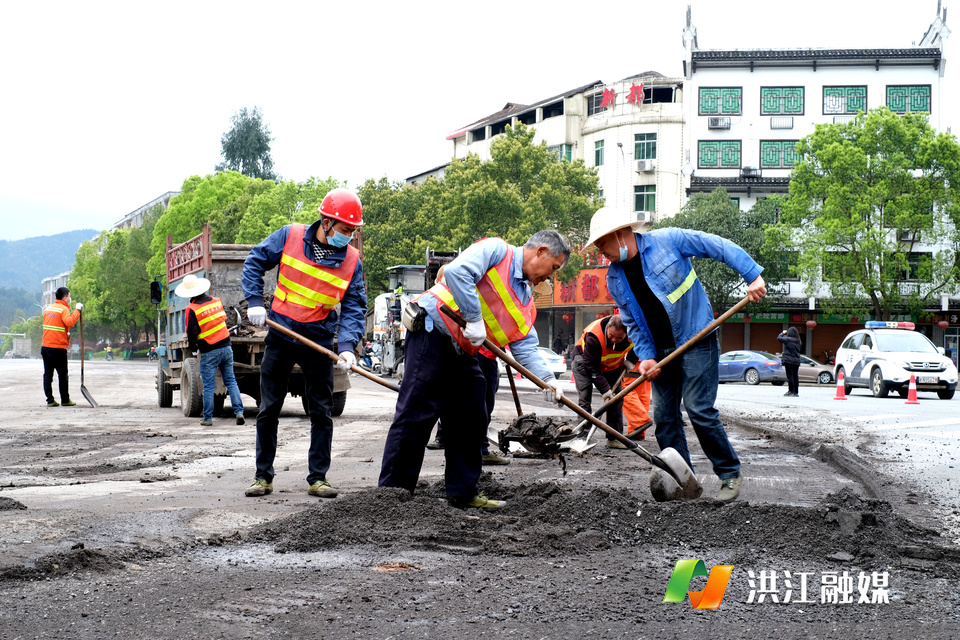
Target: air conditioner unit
(644, 216)
(645, 166)
(749, 172)
(718, 123)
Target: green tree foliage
(281, 205)
(246, 147)
(862, 199)
(522, 189)
(716, 213)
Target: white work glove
(475, 332)
(553, 392)
(608, 396)
(79, 306)
(347, 360)
(257, 316)
(196, 354)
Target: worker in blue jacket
(663, 304)
(319, 273)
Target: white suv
(882, 356)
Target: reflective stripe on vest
(505, 318)
(609, 359)
(307, 291)
(675, 295)
(212, 320)
(52, 315)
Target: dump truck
(178, 369)
(22, 347)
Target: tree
(281, 205)
(716, 213)
(873, 214)
(246, 147)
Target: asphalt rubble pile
(548, 520)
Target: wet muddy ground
(129, 521)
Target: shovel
(586, 446)
(676, 482)
(316, 347)
(83, 356)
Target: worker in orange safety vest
(57, 321)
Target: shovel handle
(513, 389)
(675, 353)
(500, 353)
(330, 354)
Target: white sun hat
(607, 220)
(192, 286)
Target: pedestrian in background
(790, 358)
(208, 337)
(57, 321)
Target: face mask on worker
(623, 250)
(337, 239)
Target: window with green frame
(776, 101)
(919, 265)
(790, 263)
(645, 146)
(908, 98)
(563, 151)
(645, 197)
(721, 101)
(718, 154)
(598, 153)
(778, 154)
(844, 100)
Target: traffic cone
(572, 381)
(840, 394)
(518, 375)
(912, 392)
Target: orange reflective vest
(505, 317)
(307, 291)
(609, 359)
(212, 320)
(57, 321)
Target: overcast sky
(108, 105)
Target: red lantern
(567, 317)
(811, 324)
(943, 324)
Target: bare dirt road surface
(129, 521)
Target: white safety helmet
(607, 220)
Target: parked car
(752, 367)
(556, 364)
(882, 356)
(812, 371)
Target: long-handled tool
(313, 345)
(83, 356)
(678, 481)
(586, 446)
(513, 388)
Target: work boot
(491, 458)
(434, 444)
(322, 489)
(53, 403)
(729, 489)
(615, 444)
(478, 501)
(240, 419)
(260, 487)
(68, 403)
(206, 423)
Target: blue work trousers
(279, 357)
(210, 361)
(440, 382)
(694, 377)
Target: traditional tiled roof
(824, 57)
(735, 184)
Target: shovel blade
(679, 484)
(86, 394)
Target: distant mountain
(24, 263)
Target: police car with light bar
(882, 356)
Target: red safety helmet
(342, 205)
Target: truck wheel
(164, 390)
(191, 397)
(339, 402)
(218, 402)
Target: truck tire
(218, 402)
(191, 397)
(164, 390)
(339, 402)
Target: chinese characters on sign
(636, 94)
(590, 287)
(608, 97)
(835, 587)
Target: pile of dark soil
(9, 504)
(549, 520)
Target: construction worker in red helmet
(318, 270)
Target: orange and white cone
(912, 392)
(840, 394)
(518, 375)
